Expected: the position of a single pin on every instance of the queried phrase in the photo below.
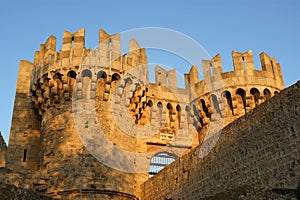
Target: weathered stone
(52, 151)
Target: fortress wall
(260, 149)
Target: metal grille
(159, 161)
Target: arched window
(227, 95)
(149, 103)
(267, 94)
(242, 94)
(86, 83)
(159, 105)
(216, 104)
(58, 76)
(101, 81)
(169, 106)
(159, 113)
(86, 73)
(204, 108)
(71, 82)
(178, 109)
(101, 74)
(59, 87)
(160, 161)
(198, 117)
(72, 74)
(115, 77)
(256, 95)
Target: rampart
(259, 150)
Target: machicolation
(46, 148)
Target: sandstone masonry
(63, 97)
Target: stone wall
(23, 150)
(63, 97)
(3, 149)
(9, 192)
(260, 149)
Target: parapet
(243, 74)
(165, 78)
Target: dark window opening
(101, 74)
(244, 62)
(267, 93)
(227, 95)
(159, 105)
(256, 95)
(149, 103)
(86, 73)
(272, 67)
(178, 109)
(72, 74)
(216, 104)
(58, 76)
(187, 109)
(204, 108)
(242, 93)
(115, 77)
(25, 155)
(198, 117)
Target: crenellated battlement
(95, 73)
(106, 83)
(55, 72)
(234, 93)
(243, 68)
(73, 54)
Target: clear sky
(220, 26)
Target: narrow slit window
(25, 155)
(109, 44)
(272, 66)
(244, 63)
(72, 42)
(211, 70)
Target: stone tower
(63, 97)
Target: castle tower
(70, 102)
(23, 151)
(45, 141)
(229, 95)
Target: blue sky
(220, 26)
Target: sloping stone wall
(260, 149)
